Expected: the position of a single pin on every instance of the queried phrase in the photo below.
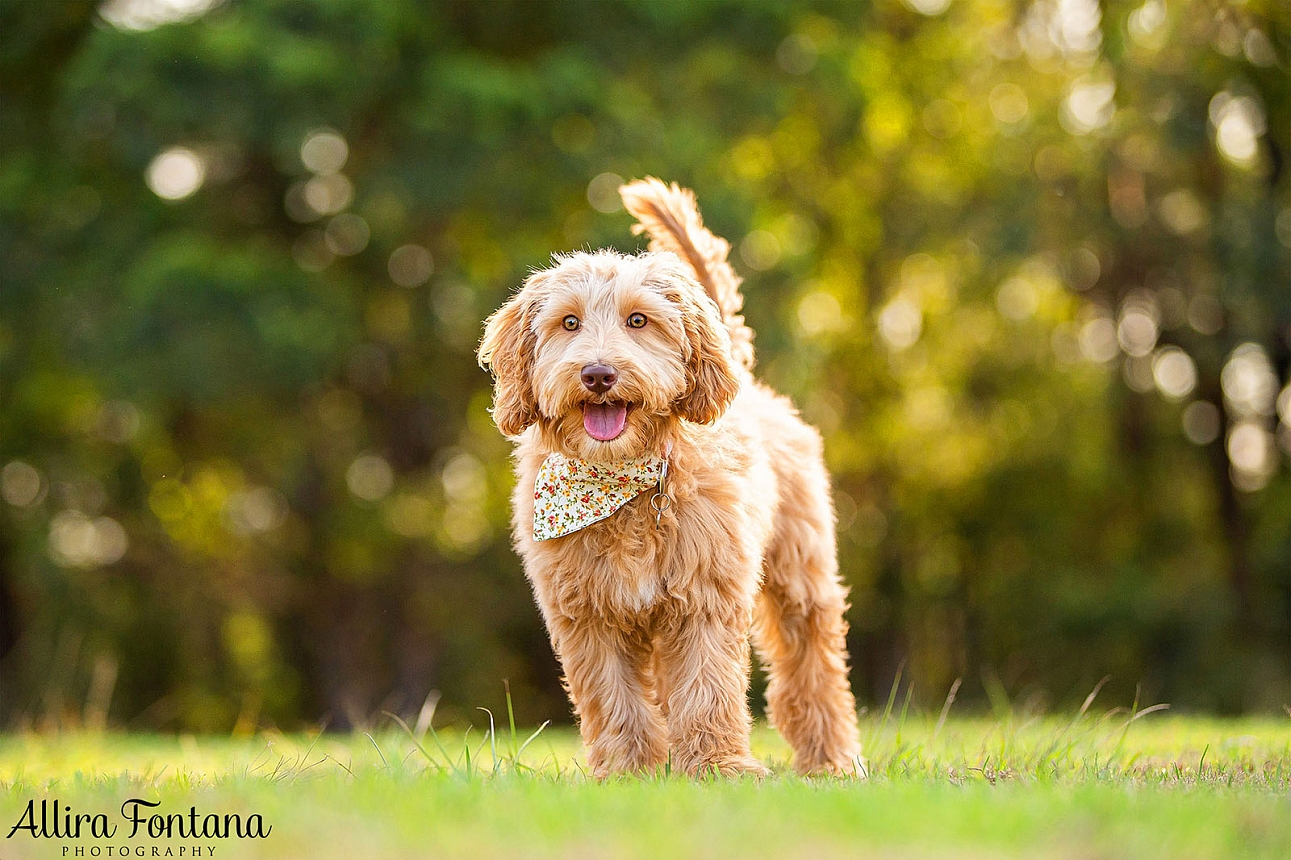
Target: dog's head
(603, 352)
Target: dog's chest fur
(624, 561)
(622, 566)
(628, 566)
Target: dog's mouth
(604, 421)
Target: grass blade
(384, 763)
(511, 718)
(945, 709)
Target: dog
(667, 505)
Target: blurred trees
(1026, 264)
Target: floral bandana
(571, 494)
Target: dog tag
(661, 501)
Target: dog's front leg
(606, 675)
(704, 661)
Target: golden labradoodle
(667, 503)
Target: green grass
(1075, 787)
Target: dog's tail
(670, 216)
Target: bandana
(571, 494)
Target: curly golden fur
(651, 622)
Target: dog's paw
(729, 766)
(852, 767)
(643, 764)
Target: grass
(1111, 785)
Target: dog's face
(604, 351)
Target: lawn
(1093, 785)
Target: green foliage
(1002, 254)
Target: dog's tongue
(604, 421)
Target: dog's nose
(599, 378)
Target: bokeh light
(370, 477)
(819, 311)
(1181, 211)
(1082, 269)
(142, 15)
(1098, 339)
(1089, 105)
(21, 484)
(1175, 372)
(324, 151)
(176, 173)
(928, 7)
(118, 421)
(464, 478)
(1138, 328)
(76, 540)
(1017, 298)
(410, 265)
(1237, 122)
(1249, 383)
(410, 515)
(1008, 103)
(900, 323)
(1077, 26)
(760, 250)
(347, 234)
(1146, 24)
(603, 192)
(1201, 422)
(255, 510)
(327, 195)
(1251, 451)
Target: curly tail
(670, 216)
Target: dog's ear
(507, 350)
(711, 381)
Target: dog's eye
(571, 323)
(637, 321)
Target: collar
(570, 494)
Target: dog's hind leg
(799, 630)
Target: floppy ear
(711, 383)
(507, 349)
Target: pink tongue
(604, 421)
